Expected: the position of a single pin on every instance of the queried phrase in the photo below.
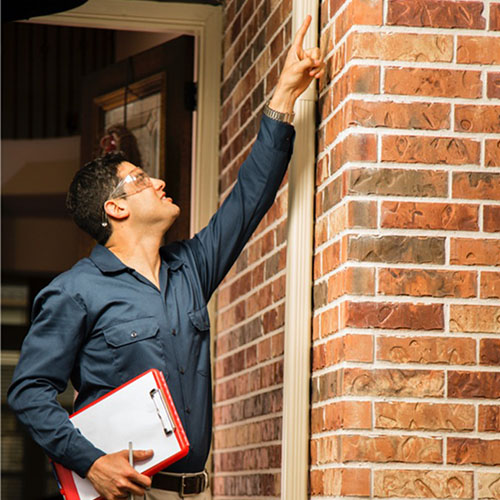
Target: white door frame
(204, 22)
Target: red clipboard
(150, 422)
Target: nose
(158, 184)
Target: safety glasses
(133, 183)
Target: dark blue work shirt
(102, 323)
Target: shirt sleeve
(216, 247)
(47, 358)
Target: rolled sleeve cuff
(81, 461)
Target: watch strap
(277, 115)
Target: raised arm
(217, 246)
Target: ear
(116, 209)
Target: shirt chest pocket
(200, 320)
(130, 332)
(135, 347)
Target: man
(135, 305)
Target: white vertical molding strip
(298, 302)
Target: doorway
(180, 154)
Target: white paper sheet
(127, 415)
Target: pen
(131, 462)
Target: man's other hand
(301, 67)
(113, 477)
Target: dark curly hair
(89, 190)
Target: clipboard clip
(159, 402)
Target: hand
(301, 67)
(113, 477)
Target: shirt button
(182, 371)
(133, 335)
(174, 332)
(188, 410)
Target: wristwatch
(277, 115)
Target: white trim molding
(204, 22)
(298, 305)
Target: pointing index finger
(299, 36)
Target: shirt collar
(108, 262)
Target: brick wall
(406, 346)
(250, 309)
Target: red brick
(253, 406)
(473, 451)
(356, 415)
(396, 182)
(358, 12)
(489, 418)
(263, 457)
(478, 50)
(391, 449)
(492, 154)
(337, 219)
(475, 318)
(422, 283)
(361, 214)
(355, 482)
(355, 148)
(325, 450)
(329, 322)
(491, 218)
(248, 433)
(342, 415)
(335, 64)
(324, 355)
(490, 285)
(394, 383)
(330, 196)
(490, 352)
(423, 484)
(389, 315)
(258, 484)
(411, 215)
(324, 386)
(316, 481)
(468, 385)
(320, 231)
(480, 119)
(493, 88)
(425, 116)
(495, 17)
(341, 482)
(424, 416)
(358, 348)
(391, 249)
(488, 485)
(433, 82)
(357, 80)
(400, 47)
(436, 14)
(330, 257)
(351, 281)
(425, 350)
(322, 169)
(432, 150)
(471, 252)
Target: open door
(151, 95)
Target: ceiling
(26, 9)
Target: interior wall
(129, 43)
(46, 166)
